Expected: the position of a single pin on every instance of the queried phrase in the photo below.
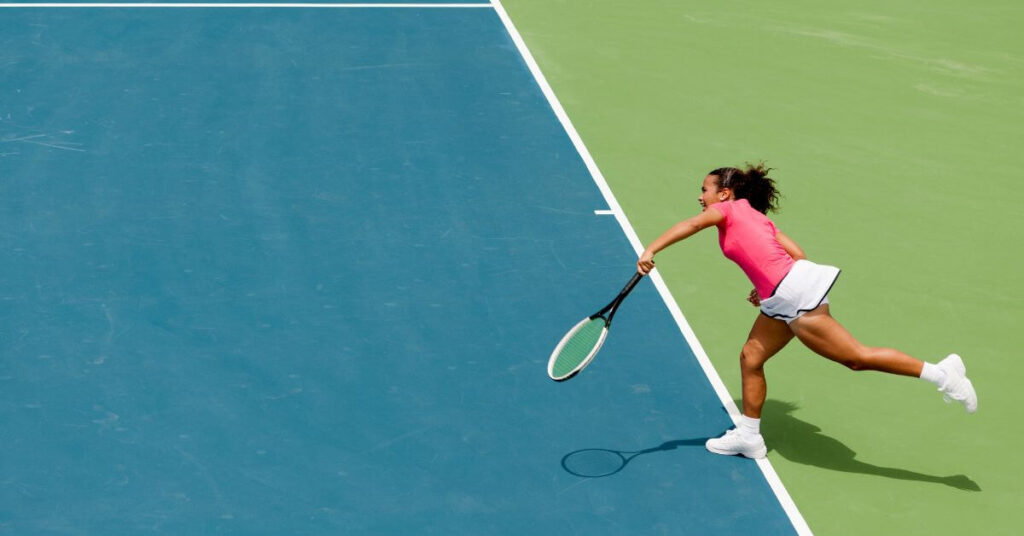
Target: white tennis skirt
(803, 289)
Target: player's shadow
(802, 442)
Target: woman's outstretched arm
(677, 232)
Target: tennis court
(297, 269)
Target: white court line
(604, 212)
(251, 5)
(691, 338)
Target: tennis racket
(579, 346)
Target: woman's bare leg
(767, 337)
(827, 337)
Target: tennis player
(792, 293)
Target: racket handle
(632, 283)
(614, 306)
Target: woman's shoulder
(744, 206)
(729, 206)
(722, 206)
(743, 203)
(740, 209)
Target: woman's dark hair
(752, 184)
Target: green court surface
(894, 128)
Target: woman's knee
(860, 359)
(753, 356)
(854, 364)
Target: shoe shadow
(802, 442)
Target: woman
(792, 293)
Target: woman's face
(711, 194)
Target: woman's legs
(767, 337)
(827, 337)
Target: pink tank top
(747, 238)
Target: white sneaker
(736, 442)
(957, 386)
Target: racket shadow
(599, 463)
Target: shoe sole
(956, 363)
(971, 402)
(756, 455)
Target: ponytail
(752, 184)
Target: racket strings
(579, 347)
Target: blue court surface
(298, 271)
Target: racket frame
(610, 309)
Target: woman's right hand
(646, 263)
(754, 298)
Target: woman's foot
(957, 386)
(735, 442)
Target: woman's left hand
(754, 298)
